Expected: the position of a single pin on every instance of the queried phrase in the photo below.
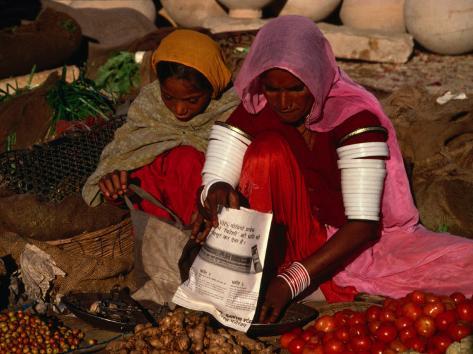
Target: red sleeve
(360, 120)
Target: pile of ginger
(184, 331)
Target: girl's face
(183, 99)
(287, 95)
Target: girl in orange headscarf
(162, 144)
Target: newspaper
(225, 278)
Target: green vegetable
(119, 74)
(13, 91)
(77, 100)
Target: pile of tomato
(420, 321)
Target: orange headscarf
(198, 51)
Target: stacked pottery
(192, 13)
(362, 179)
(385, 15)
(316, 10)
(444, 27)
(224, 156)
(245, 8)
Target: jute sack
(159, 245)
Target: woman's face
(287, 95)
(183, 99)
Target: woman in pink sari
(301, 108)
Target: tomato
(417, 297)
(328, 337)
(315, 339)
(412, 311)
(443, 320)
(377, 348)
(340, 318)
(325, 324)
(343, 333)
(402, 322)
(387, 315)
(359, 343)
(458, 331)
(373, 326)
(358, 330)
(448, 302)
(441, 342)
(431, 298)
(433, 309)
(386, 332)
(457, 297)
(334, 346)
(417, 343)
(425, 326)
(465, 310)
(406, 334)
(373, 312)
(348, 312)
(391, 304)
(397, 346)
(358, 318)
(297, 331)
(296, 346)
(388, 351)
(308, 334)
(286, 338)
(310, 348)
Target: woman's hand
(114, 184)
(220, 194)
(277, 297)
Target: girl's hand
(277, 297)
(114, 184)
(220, 194)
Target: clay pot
(245, 8)
(316, 10)
(146, 7)
(385, 15)
(444, 27)
(192, 13)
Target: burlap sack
(159, 244)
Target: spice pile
(184, 331)
(420, 321)
(22, 332)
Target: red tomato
(377, 348)
(373, 312)
(315, 339)
(406, 334)
(441, 342)
(431, 298)
(458, 297)
(443, 320)
(391, 304)
(458, 331)
(334, 346)
(417, 297)
(358, 318)
(359, 343)
(465, 310)
(286, 338)
(297, 331)
(425, 326)
(386, 332)
(403, 322)
(397, 346)
(412, 311)
(340, 318)
(433, 309)
(447, 301)
(308, 334)
(373, 326)
(343, 333)
(358, 330)
(325, 324)
(311, 348)
(389, 351)
(417, 343)
(348, 312)
(387, 315)
(296, 346)
(328, 336)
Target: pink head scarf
(295, 44)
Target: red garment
(173, 178)
(301, 186)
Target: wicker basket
(113, 241)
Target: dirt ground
(436, 73)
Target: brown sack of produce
(45, 43)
